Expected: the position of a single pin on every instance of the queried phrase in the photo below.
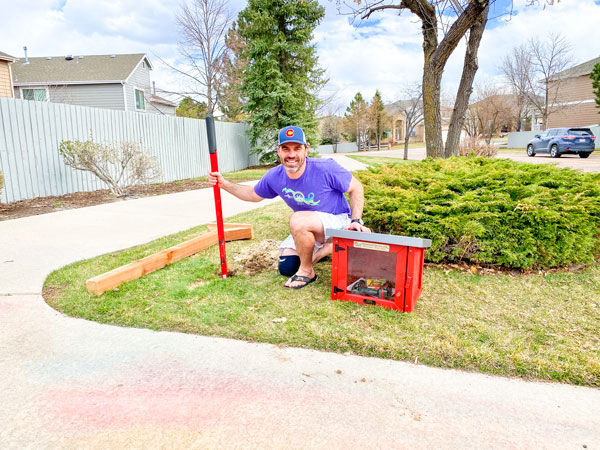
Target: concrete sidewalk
(69, 383)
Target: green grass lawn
(541, 326)
(376, 161)
(252, 173)
(410, 145)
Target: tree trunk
(432, 79)
(435, 58)
(431, 111)
(465, 88)
(406, 138)
(488, 138)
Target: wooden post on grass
(110, 280)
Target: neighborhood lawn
(410, 145)
(538, 325)
(376, 161)
(252, 173)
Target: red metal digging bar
(214, 167)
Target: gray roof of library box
(81, 69)
(379, 238)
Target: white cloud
(384, 53)
(576, 21)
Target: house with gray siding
(120, 82)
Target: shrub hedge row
(489, 211)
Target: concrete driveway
(590, 164)
(68, 383)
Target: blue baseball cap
(292, 134)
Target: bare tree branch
(204, 25)
(530, 69)
(412, 107)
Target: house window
(139, 100)
(34, 94)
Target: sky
(383, 52)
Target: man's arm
(356, 193)
(241, 191)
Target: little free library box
(377, 269)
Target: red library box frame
(377, 269)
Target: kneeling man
(314, 189)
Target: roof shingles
(57, 69)
(584, 68)
(6, 57)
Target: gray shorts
(335, 221)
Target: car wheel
(584, 155)
(530, 151)
(554, 151)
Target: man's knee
(289, 264)
(306, 221)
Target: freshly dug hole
(255, 258)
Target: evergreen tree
(189, 107)
(356, 123)
(595, 76)
(282, 77)
(378, 118)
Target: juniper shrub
(489, 211)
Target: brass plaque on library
(372, 246)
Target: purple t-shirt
(320, 188)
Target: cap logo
(289, 133)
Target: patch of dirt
(49, 293)
(255, 258)
(43, 205)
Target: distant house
(162, 105)
(575, 97)
(395, 111)
(119, 82)
(6, 82)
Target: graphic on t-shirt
(299, 197)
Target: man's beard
(295, 169)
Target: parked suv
(560, 141)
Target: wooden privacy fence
(30, 133)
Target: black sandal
(302, 279)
